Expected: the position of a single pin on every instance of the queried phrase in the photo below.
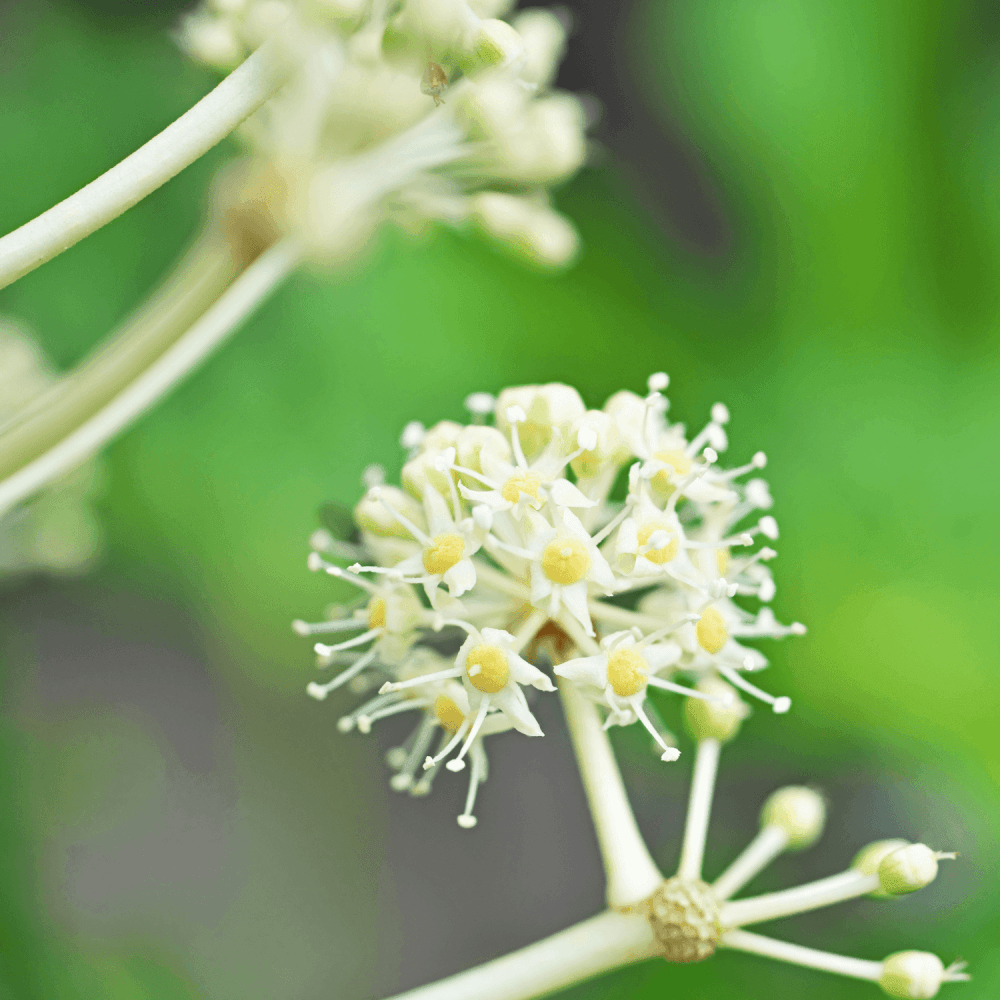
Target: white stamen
(305, 628)
(658, 381)
(467, 821)
(779, 705)
(480, 403)
(438, 675)
(373, 476)
(413, 435)
(720, 413)
(358, 640)
(320, 691)
(459, 763)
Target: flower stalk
(149, 167)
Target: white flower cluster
(506, 541)
(410, 111)
(55, 531)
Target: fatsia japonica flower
(410, 112)
(609, 556)
(507, 552)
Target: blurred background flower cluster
(791, 207)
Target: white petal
(526, 673)
(592, 670)
(511, 702)
(563, 492)
(627, 539)
(661, 654)
(575, 598)
(600, 572)
(461, 577)
(439, 519)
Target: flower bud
(549, 408)
(371, 515)
(544, 38)
(868, 859)
(718, 719)
(491, 43)
(800, 812)
(471, 445)
(913, 975)
(532, 230)
(909, 868)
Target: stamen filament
(780, 705)
(403, 780)
(358, 640)
(467, 821)
(438, 675)
(320, 691)
(320, 628)
(450, 745)
(407, 705)
(459, 762)
(688, 692)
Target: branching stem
(607, 941)
(149, 167)
(210, 330)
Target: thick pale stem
(203, 274)
(631, 873)
(810, 896)
(857, 968)
(150, 166)
(706, 763)
(217, 323)
(757, 855)
(607, 941)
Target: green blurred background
(795, 212)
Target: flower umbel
(412, 112)
(503, 554)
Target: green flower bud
(799, 811)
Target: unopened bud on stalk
(718, 719)
(800, 812)
(917, 975)
(909, 868)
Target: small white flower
(564, 563)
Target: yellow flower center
(523, 482)
(565, 561)
(448, 714)
(626, 672)
(587, 464)
(443, 552)
(711, 631)
(487, 669)
(677, 463)
(376, 613)
(665, 553)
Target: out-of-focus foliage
(851, 329)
